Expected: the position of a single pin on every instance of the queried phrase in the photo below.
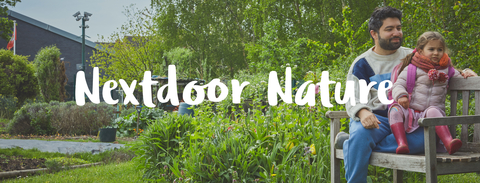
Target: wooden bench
(467, 159)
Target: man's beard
(388, 45)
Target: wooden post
(397, 176)
(430, 154)
(334, 162)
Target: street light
(139, 110)
(83, 18)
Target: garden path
(59, 146)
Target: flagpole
(15, 38)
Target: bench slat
(458, 167)
(453, 111)
(471, 83)
(476, 133)
(464, 133)
(449, 120)
(415, 163)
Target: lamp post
(139, 110)
(84, 18)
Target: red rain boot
(398, 131)
(452, 145)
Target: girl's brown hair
(421, 42)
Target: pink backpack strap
(451, 72)
(411, 77)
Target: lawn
(121, 172)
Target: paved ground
(59, 146)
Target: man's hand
(368, 119)
(468, 73)
(404, 102)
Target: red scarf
(431, 67)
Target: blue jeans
(358, 148)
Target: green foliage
(48, 70)
(131, 51)
(182, 58)
(53, 165)
(8, 106)
(126, 125)
(69, 118)
(163, 143)
(65, 161)
(108, 156)
(31, 119)
(248, 147)
(456, 20)
(17, 77)
(302, 55)
(256, 89)
(64, 118)
(5, 23)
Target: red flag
(14, 37)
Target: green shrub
(127, 125)
(8, 106)
(50, 73)
(58, 117)
(81, 120)
(164, 141)
(31, 119)
(17, 76)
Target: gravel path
(59, 146)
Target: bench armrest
(449, 120)
(337, 114)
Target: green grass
(122, 172)
(119, 155)
(30, 153)
(68, 140)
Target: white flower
(288, 64)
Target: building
(32, 35)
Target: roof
(50, 28)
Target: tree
(135, 49)
(17, 76)
(221, 33)
(5, 23)
(50, 71)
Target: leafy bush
(257, 146)
(50, 73)
(17, 77)
(31, 119)
(64, 118)
(70, 118)
(127, 125)
(8, 106)
(163, 142)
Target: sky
(107, 15)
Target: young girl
(427, 100)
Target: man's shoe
(340, 138)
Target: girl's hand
(404, 102)
(468, 73)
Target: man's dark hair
(380, 14)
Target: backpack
(411, 77)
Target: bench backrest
(470, 91)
